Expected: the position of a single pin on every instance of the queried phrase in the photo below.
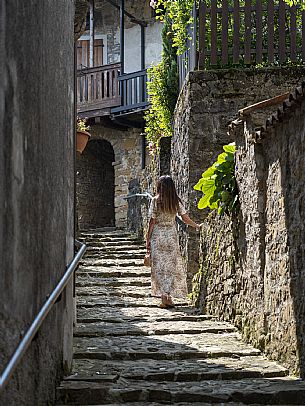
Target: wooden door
(83, 50)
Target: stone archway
(95, 186)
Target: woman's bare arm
(190, 222)
(149, 232)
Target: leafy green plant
(218, 183)
(179, 11)
(162, 89)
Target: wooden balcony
(98, 90)
(102, 91)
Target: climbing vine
(218, 183)
(179, 11)
(162, 89)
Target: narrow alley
(127, 350)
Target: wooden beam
(263, 104)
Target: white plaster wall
(153, 46)
(132, 59)
(153, 43)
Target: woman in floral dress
(168, 276)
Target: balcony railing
(98, 88)
(102, 91)
(133, 91)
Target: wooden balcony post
(91, 45)
(122, 39)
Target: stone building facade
(253, 265)
(110, 168)
(107, 29)
(208, 102)
(36, 191)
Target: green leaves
(218, 183)
(162, 88)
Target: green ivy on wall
(218, 183)
(162, 89)
(179, 11)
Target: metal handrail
(30, 334)
(146, 194)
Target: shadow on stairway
(127, 350)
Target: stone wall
(208, 102)
(36, 191)
(95, 185)
(127, 165)
(256, 277)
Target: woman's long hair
(167, 200)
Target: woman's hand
(147, 245)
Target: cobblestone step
(108, 255)
(162, 404)
(130, 302)
(178, 370)
(120, 248)
(118, 263)
(268, 391)
(128, 351)
(121, 291)
(112, 314)
(108, 238)
(167, 347)
(88, 281)
(115, 244)
(101, 271)
(102, 329)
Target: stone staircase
(127, 351)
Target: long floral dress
(168, 275)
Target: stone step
(162, 404)
(87, 281)
(117, 315)
(143, 328)
(100, 301)
(115, 244)
(270, 391)
(118, 249)
(119, 291)
(118, 263)
(113, 255)
(178, 370)
(101, 271)
(103, 239)
(163, 347)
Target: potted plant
(82, 134)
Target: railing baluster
(248, 32)
(224, 32)
(111, 84)
(135, 90)
(213, 32)
(282, 36)
(270, 22)
(259, 31)
(202, 34)
(236, 39)
(293, 34)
